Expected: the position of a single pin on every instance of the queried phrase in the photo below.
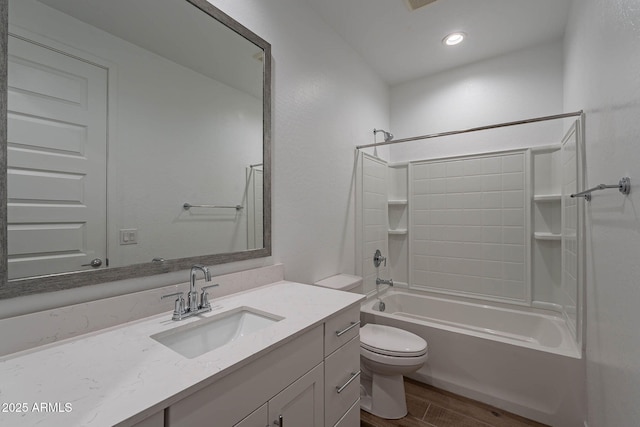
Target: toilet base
(383, 395)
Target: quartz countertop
(119, 376)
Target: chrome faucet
(182, 311)
(192, 296)
(377, 260)
(380, 281)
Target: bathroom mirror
(136, 141)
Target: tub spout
(380, 281)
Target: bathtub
(522, 361)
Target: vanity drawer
(342, 381)
(231, 398)
(340, 329)
(352, 417)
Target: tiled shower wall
(468, 221)
(375, 217)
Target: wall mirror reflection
(138, 141)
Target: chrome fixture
(377, 260)
(388, 136)
(188, 206)
(192, 307)
(624, 186)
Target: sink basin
(195, 339)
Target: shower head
(388, 136)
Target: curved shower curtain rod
(455, 132)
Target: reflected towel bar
(624, 186)
(188, 206)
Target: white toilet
(386, 354)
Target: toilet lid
(391, 341)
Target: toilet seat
(393, 342)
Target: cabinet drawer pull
(348, 328)
(354, 375)
(279, 422)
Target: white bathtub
(522, 361)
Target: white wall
(326, 101)
(520, 85)
(603, 77)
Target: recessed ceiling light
(453, 39)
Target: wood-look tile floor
(432, 407)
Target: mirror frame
(55, 282)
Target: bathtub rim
(568, 347)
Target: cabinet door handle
(279, 422)
(354, 375)
(348, 328)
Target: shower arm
(388, 136)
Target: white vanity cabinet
(342, 369)
(230, 399)
(295, 385)
(300, 404)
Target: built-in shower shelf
(397, 202)
(546, 236)
(398, 231)
(546, 198)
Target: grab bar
(624, 186)
(188, 206)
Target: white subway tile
(472, 167)
(513, 235)
(455, 201)
(421, 171)
(454, 168)
(438, 186)
(491, 182)
(492, 234)
(492, 200)
(439, 217)
(492, 252)
(513, 181)
(438, 201)
(421, 201)
(513, 253)
(513, 199)
(492, 269)
(421, 217)
(421, 186)
(513, 271)
(472, 217)
(513, 217)
(437, 170)
(491, 165)
(491, 217)
(513, 163)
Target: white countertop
(105, 378)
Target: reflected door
(57, 153)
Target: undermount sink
(195, 339)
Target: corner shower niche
(546, 224)
(398, 207)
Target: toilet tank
(343, 282)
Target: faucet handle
(204, 296)
(178, 308)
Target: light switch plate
(129, 236)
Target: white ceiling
(402, 45)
